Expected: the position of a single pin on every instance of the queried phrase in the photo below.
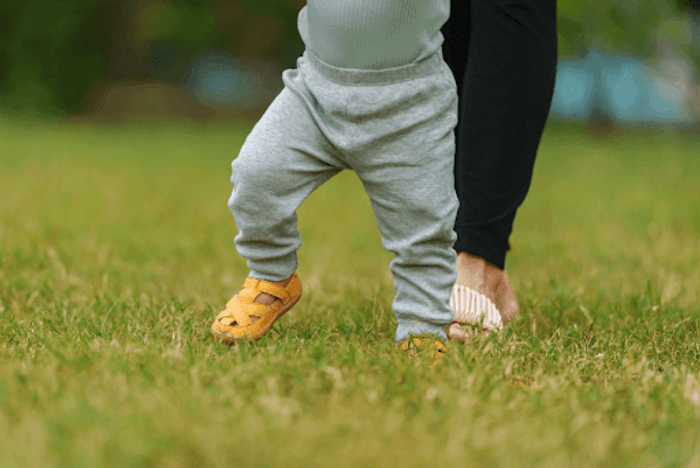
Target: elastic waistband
(351, 76)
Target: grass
(116, 251)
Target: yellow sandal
(434, 347)
(234, 322)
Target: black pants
(503, 54)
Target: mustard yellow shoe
(434, 347)
(234, 322)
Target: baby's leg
(415, 208)
(283, 160)
(407, 170)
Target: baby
(371, 93)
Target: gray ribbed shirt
(373, 34)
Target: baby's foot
(425, 344)
(250, 314)
(269, 299)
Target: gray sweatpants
(394, 128)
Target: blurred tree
(657, 31)
(51, 53)
(147, 30)
(689, 5)
(138, 27)
(257, 28)
(613, 26)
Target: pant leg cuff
(277, 270)
(482, 244)
(413, 327)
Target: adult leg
(505, 83)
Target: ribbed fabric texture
(373, 34)
(473, 308)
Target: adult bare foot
(506, 302)
(478, 275)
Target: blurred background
(622, 62)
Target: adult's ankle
(478, 274)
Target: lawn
(116, 251)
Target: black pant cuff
(482, 244)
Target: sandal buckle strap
(273, 290)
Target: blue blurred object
(620, 87)
(573, 93)
(218, 80)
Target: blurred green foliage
(632, 27)
(608, 24)
(52, 52)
